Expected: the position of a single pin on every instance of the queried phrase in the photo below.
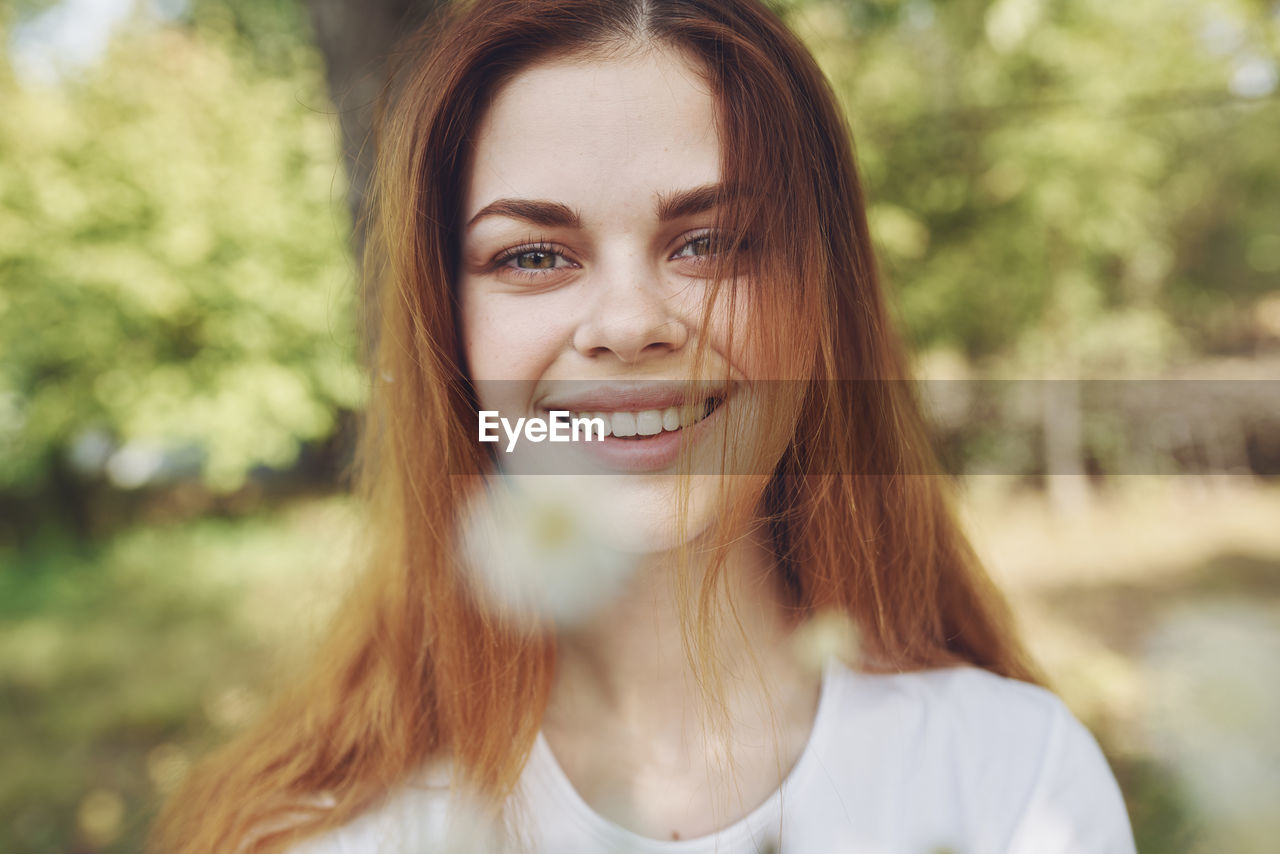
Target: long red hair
(412, 669)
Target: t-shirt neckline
(759, 825)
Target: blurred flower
(828, 633)
(166, 766)
(233, 707)
(538, 546)
(100, 816)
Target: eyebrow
(548, 214)
(689, 202)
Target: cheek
(511, 342)
(762, 338)
(503, 338)
(731, 332)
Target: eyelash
(504, 259)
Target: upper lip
(635, 397)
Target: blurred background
(1067, 195)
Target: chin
(647, 515)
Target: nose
(630, 314)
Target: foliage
(172, 267)
(273, 34)
(1074, 183)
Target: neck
(629, 663)
(626, 718)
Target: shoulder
(957, 713)
(1003, 764)
(962, 709)
(414, 816)
(966, 694)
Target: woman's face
(588, 228)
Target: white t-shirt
(956, 759)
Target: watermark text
(561, 427)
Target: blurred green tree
(1066, 189)
(1070, 183)
(172, 236)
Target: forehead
(601, 135)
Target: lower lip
(647, 453)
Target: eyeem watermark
(562, 427)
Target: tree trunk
(356, 37)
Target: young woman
(646, 212)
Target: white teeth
(624, 424)
(649, 422)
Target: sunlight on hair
(538, 547)
(828, 633)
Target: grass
(120, 662)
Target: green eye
(533, 262)
(536, 260)
(702, 246)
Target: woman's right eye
(532, 260)
(536, 260)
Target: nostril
(628, 333)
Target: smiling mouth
(645, 423)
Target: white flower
(827, 634)
(538, 546)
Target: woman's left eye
(701, 246)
